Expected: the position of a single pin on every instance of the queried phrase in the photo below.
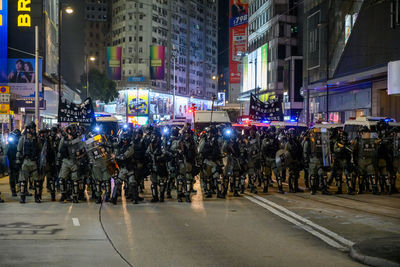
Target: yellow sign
(24, 17)
(1, 16)
(4, 108)
(4, 89)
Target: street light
(69, 11)
(91, 58)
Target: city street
(265, 230)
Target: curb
(369, 260)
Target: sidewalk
(377, 251)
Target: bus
(106, 123)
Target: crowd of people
(78, 159)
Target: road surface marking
(307, 228)
(308, 222)
(75, 222)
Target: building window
(140, 39)
(280, 74)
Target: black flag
(270, 110)
(71, 112)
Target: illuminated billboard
(238, 33)
(114, 56)
(157, 62)
(255, 70)
(138, 102)
(3, 40)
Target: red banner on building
(238, 33)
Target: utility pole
(37, 117)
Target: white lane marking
(307, 228)
(308, 222)
(75, 222)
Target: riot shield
(326, 148)
(281, 159)
(96, 147)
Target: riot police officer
(210, 154)
(13, 140)
(295, 152)
(342, 163)
(139, 161)
(269, 147)
(99, 151)
(124, 157)
(159, 171)
(365, 146)
(28, 153)
(233, 167)
(395, 135)
(319, 147)
(171, 141)
(254, 159)
(185, 150)
(384, 155)
(48, 161)
(71, 150)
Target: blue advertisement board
(3, 40)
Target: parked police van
(352, 126)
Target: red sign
(238, 34)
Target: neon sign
(24, 17)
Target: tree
(100, 87)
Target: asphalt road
(266, 230)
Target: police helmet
(44, 131)
(72, 130)
(175, 132)
(16, 132)
(30, 128)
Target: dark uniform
(159, 170)
(28, 153)
(233, 167)
(124, 156)
(342, 163)
(13, 140)
(316, 165)
(365, 152)
(48, 161)
(295, 152)
(71, 150)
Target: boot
(339, 190)
(325, 186)
(296, 186)
(375, 189)
(98, 199)
(22, 192)
(37, 198)
(280, 187)
(253, 188)
(75, 192)
(114, 196)
(135, 193)
(154, 193)
(75, 199)
(266, 182)
(291, 182)
(107, 193)
(313, 185)
(188, 189)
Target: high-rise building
(185, 29)
(346, 71)
(274, 53)
(97, 25)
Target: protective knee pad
(63, 186)
(188, 186)
(75, 188)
